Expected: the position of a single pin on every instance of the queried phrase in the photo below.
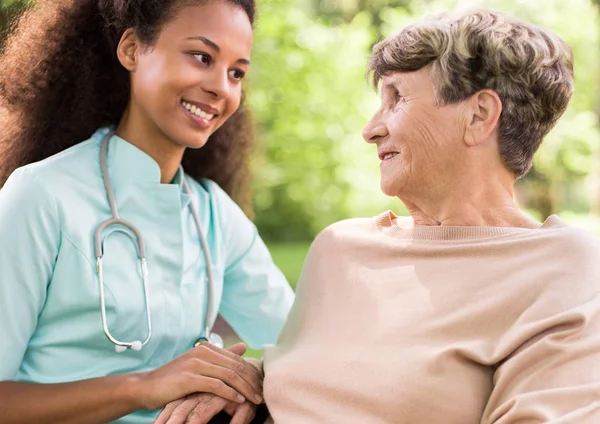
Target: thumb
(238, 349)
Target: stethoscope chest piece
(213, 339)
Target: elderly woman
(468, 311)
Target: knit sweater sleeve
(257, 364)
(553, 374)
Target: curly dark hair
(55, 70)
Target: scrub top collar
(127, 163)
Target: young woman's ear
(128, 50)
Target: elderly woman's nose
(375, 130)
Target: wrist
(131, 390)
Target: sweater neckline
(404, 227)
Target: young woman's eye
(236, 74)
(203, 58)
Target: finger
(204, 412)
(180, 414)
(238, 373)
(237, 349)
(164, 415)
(230, 352)
(244, 414)
(206, 384)
(226, 376)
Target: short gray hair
(530, 68)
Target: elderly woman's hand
(200, 408)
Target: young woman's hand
(203, 369)
(200, 408)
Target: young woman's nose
(216, 82)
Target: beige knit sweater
(448, 325)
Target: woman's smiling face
(189, 82)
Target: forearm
(92, 401)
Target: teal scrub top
(50, 321)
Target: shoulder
(562, 262)
(574, 244)
(46, 186)
(55, 171)
(348, 226)
(577, 251)
(346, 231)
(27, 199)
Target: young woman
(114, 261)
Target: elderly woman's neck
(490, 205)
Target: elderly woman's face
(417, 141)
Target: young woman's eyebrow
(216, 47)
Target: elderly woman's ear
(482, 111)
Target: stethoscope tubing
(115, 220)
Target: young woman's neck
(135, 129)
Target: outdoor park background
(310, 100)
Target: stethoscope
(115, 220)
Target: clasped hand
(200, 408)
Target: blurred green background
(310, 101)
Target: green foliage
(307, 88)
(336, 12)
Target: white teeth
(197, 111)
(389, 156)
(204, 115)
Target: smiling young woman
(129, 114)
